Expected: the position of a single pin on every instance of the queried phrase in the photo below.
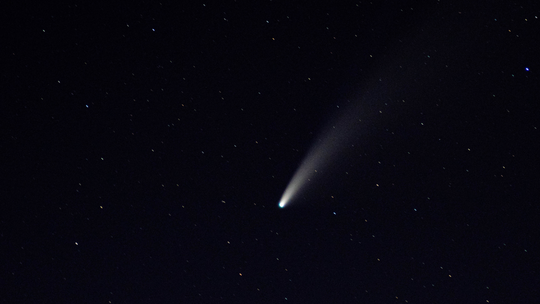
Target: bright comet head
(285, 198)
(292, 189)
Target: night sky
(145, 148)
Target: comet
(324, 156)
(369, 108)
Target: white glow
(323, 155)
(340, 139)
(301, 177)
(290, 191)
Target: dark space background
(146, 147)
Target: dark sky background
(146, 147)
